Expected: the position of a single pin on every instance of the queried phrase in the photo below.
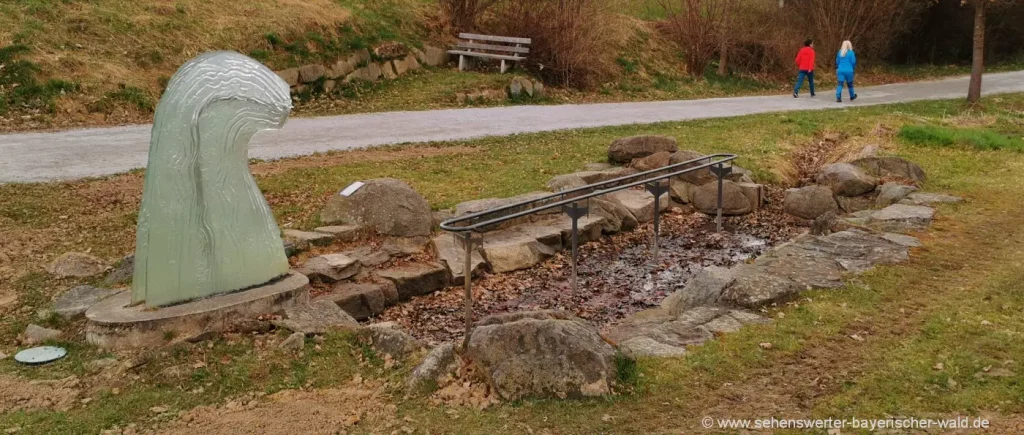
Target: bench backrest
(514, 45)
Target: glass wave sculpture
(204, 227)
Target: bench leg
(462, 62)
(504, 67)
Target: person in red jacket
(805, 62)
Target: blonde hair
(847, 46)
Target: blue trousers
(800, 81)
(847, 77)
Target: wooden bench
(504, 48)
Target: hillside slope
(113, 57)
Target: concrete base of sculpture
(113, 324)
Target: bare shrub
(698, 27)
(872, 25)
(575, 42)
(463, 14)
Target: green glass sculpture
(204, 227)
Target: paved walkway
(31, 157)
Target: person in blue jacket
(846, 62)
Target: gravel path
(33, 157)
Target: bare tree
(981, 8)
(729, 9)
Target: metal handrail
(447, 224)
(571, 206)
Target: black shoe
(795, 95)
(854, 97)
(812, 94)
(839, 100)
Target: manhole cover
(40, 355)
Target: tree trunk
(974, 91)
(723, 59)
(725, 32)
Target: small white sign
(352, 188)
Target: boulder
(616, 217)
(520, 247)
(295, 341)
(311, 73)
(123, 272)
(317, 317)
(412, 63)
(588, 228)
(734, 201)
(651, 162)
(809, 202)
(680, 191)
(853, 204)
(76, 265)
(754, 192)
(846, 179)
(809, 262)
(658, 333)
(361, 301)
(388, 339)
(400, 67)
(592, 177)
(330, 268)
(309, 237)
(343, 233)
(696, 178)
(704, 289)
(452, 254)
(35, 334)
(293, 247)
(891, 193)
(542, 354)
(740, 175)
(404, 246)
(624, 150)
(388, 71)
(640, 203)
(342, 68)
(565, 182)
(431, 56)
(597, 167)
(440, 362)
(386, 205)
(902, 240)
(369, 73)
(367, 257)
(76, 302)
(290, 76)
(521, 86)
(925, 198)
(440, 216)
(538, 89)
(901, 218)
(480, 205)
(891, 166)
(416, 279)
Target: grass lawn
(937, 336)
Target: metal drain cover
(40, 355)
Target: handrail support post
(721, 171)
(657, 188)
(467, 241)
(575, 211)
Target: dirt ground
(18, 394)
(329, 411)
